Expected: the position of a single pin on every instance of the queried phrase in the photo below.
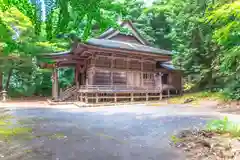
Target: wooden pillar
(132, 99)
(84, 71)
(97, 97)
(90, 77)
(115, 97)
(55, 83)
(170, 78)
(146, 96)
(94, 58)
(81, 97)
(160, 95)
(142, 84)
(77, 69)
(111, 72)
(161, 87)
(86, 97)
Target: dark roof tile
(126, 45)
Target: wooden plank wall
(176, 80)
(102, 77)
(126, 38)
(110, 70)
(119, 78)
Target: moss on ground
(9, 128)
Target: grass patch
(9, 129)
(197, 97)
(175, 139)
(224, 126)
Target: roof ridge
(135, 31)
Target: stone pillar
(55, 83)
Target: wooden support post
(55, 83)
(81, 97)
(160, 95)
(132, 99)
(147, 96)
(168, 93)
(94, 58)
(115, 97)
(112, 65)
(96, 97)
(77, 75)
(142, 84)
(86, 97)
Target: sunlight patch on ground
(196, 98)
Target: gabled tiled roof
(126, 45)
(104, 42)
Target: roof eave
(128, 50)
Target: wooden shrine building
(117, 67)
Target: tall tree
(226, 16)
(191, 38)
(24, 32)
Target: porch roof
(168, 65)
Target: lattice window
(147, 76)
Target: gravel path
(124, 133)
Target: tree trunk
(8, 79)
(1, 81)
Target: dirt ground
(42, 102)
(205, 145)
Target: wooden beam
(129, 58)
(116, 69)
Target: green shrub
(224, 126)
(188, 86)
(232, 91)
